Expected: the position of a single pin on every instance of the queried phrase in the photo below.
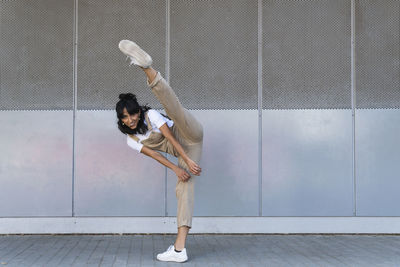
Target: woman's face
(130, 120)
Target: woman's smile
(131, 120)
(133, 125)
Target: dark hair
(129, 102)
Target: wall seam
(74, 99)
(167, 66)
(259, 85)
(353, 98)
(3, 108)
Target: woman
(178, 134)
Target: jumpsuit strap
(134, 137)
(146, 116)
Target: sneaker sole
(172, 260)
(131, 49)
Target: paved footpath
(203, 250)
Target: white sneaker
(137, 55)
(171, 255)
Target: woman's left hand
(193, 167)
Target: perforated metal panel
(378, 54)
(306, 54)
(214, 53)
(36, 54)
(103, 72)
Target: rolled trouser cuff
(185, 223)
(155, 81)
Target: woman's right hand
(182, 174)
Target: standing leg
(185, 194)
(181, 237)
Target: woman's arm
(193, 167)
(181, 173)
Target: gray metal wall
(289, 130)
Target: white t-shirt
(156, 120)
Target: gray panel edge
(353, 102)
(167, 78)
(260, 88)
(74, 99)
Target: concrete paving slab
(203, 250)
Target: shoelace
(132, 60)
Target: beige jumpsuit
(189, 133)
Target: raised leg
(150, 73)
(188, 125)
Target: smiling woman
(130, 115)
(130, 120)
(179, 134)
